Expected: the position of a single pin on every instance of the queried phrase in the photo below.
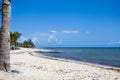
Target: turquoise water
(104, 56)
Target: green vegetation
(14, 36)
(27, 43)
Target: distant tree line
(27, 43)
(14, 36)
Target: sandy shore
(25, 66)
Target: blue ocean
(99, 55)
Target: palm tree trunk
(5, 34)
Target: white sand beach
(25, 66)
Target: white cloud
(70, 32)
(38, 37)
(22, 39)
(114, 42)
(58, 41)
(38, 34)
(35, 40)
(53, 31)
(53, 37)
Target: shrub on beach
(27, 43)
(14, 36)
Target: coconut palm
(14, 37)
(5, 35)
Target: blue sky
(68, 23)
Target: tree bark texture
(5, 35)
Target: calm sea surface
(104, 56)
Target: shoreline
(27, 65)
(78, 62)
(37, 52)
(100, 56)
